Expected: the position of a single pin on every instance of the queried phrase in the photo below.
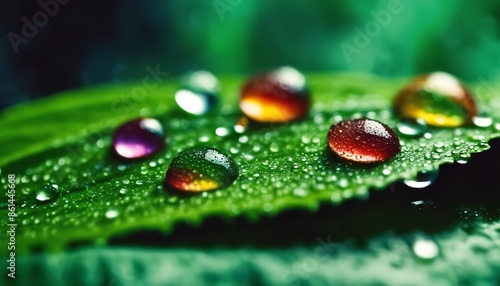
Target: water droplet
(482, 120)
(422, 205)
(139, 138)
(438, 98)
(424, 247)
(424, 179)
(221, 131)
(278, 96)
(299, 192)
(274, 147)
(112, 213)
(363, 140)
(47, 193)
(201, 169)
(412, 127)
(241, 125)
(198, 93)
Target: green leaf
(64, 140)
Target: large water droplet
(201, 169)
(47, 193)
(438, 98)
(423, 179)
(363, 140)
(198, 93)
(412, 127)
(278, 96)
(139, 138)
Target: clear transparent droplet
(412, 127)
(423, 179)
(198, 92)
(47, 193)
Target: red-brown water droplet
(438, 98)
(363, 140)
(279, 96)
(139, 138)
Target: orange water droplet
(279, 96)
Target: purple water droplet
(139, 138)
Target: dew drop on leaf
(279, 96)
(438, 98)
(111, 213)
(47, 193)
(412, 127)
(423, 179)
(198, 92)
(139, 138)
(424, 247)
(482, 120)
(201, 169)
(363, 140)
(241, 125)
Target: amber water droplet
(279, 96)
(198, 92)
(201, 169)
(438, 98)
(363, 140)
(139, 138)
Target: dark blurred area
(53, 45)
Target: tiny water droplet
(438, 98)
(412, 127)
(198, 93)
(47, 193)
(363, 140)
(274, 147)
(278, 96)
(422, 205)
(221, 131)
(423, 179)
(243, 139)
(241, 125)
(112, 213)
(463, 158)
(424, 247)
(201, 169)
(139, 138)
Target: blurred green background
(93, 42)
